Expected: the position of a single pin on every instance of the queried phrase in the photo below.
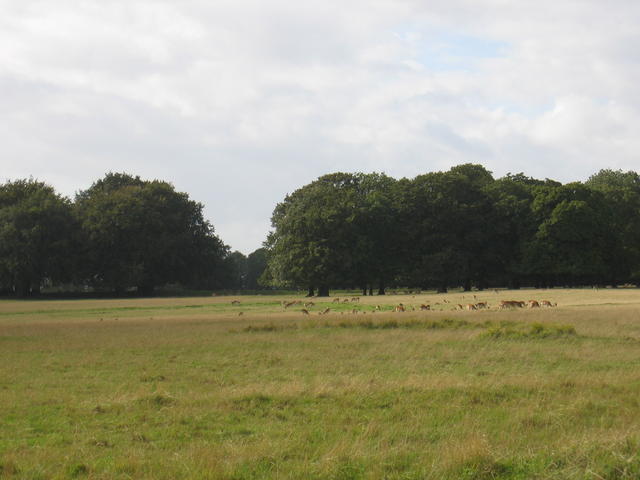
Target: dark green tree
(256, 265)
(621, 191)
(37, 234)
(314, 240)
(144, 234)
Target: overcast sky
(239, 102)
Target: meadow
(198, 388)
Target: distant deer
(305, 311)
(471, 306)
(425, 307)
(400, 308)
(235, 302)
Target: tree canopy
(459, 228)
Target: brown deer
(400, 308)
(305, 311)
(425, 307)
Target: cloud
(241, 102)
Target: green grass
(188, 389)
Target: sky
(239, 102)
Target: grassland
(189, 389)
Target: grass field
(189, 389)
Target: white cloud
(240, 102)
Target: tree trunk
(311, 292)
(370, 291)
(442, 289)
(381, 288)
(466, 286)
(364, 291)
(323, 291)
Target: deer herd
(502, 305)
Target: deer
(355, 299)
(335, 300)
(235, 302)
(471, 306)
(305, 311)
(399, 308)
(533, 304)
(547, 303)
(425, 307)
(481, 305)
(324, 312)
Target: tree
(256, 265)
(571, 244)
(621, 192)
(446, 240)
(236, 271)
(314, 241)
(144, 234)
(37, 232)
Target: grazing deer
(399, 308)
(240, 314)
(511, 304)
(346, 300)
(309, 304)
(289, 304)
(458, 307)
(305, 311)
(378, 307)
(324, 312)
(355, 299)
(547, 303)
(471, 306)
(481, 305)
(425, 307)
(235, 302)
(336, 300)
(533, 304)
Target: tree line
(459, 228)
(122, 234)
